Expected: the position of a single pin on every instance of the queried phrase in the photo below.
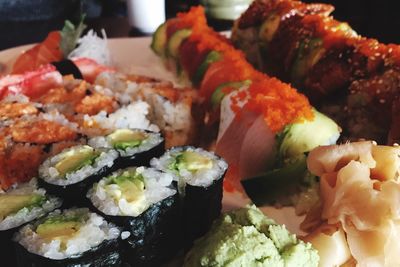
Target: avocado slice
(126, 138)
(76, 158)
(131, 185)
(269, 28)
(218, 94)
(159, 41)
(301, 137)
(11, 204)
(211, 57)
(308, 54)
(175, 41)
(191, 161)
(59, 227)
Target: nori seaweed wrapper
(8, 258)
(66, 67)
(105, 255)
(142, 158)
(155, 235)
(75, 194)
(201, 206)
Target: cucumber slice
(159, 41)
(211, 57)
(175, 41)
(269, 187)
(218, 94)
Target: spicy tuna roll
(145, 204)
(70, 173)
(135, 146)
(19, 205)
(73, 237)
(199, 175)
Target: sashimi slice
(191, 56)
(90, 69)
(258, 149)
(246, 134)
(46, 52)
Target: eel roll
(144, 202)
(73, 237)
(19, 205)
(70, 173)
(135, 146)
(199, 175)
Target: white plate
(133, 55)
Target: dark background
(28, 21)
(378, 19)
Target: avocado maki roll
(70, 173)
(19, 205)
(135, 146)
(199, 175)
(73, 237)
(144, 202)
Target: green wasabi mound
(246, 237)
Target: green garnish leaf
(70, 35)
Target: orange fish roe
(277, 101)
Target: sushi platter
(259, 147)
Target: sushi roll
(199, 175)
(18, 206)
(70, 173)
(135, 146)
(145, 204)
(73, 237)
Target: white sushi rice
(174, 118)
(49, 173)
(203, 177)
(123, 90)
(132, 116)
(25, 214)
(18, 98)
(151, 140)
(157, 188)
(91, 234)
(55, 116)
(93, 47)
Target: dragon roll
(348, 76)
